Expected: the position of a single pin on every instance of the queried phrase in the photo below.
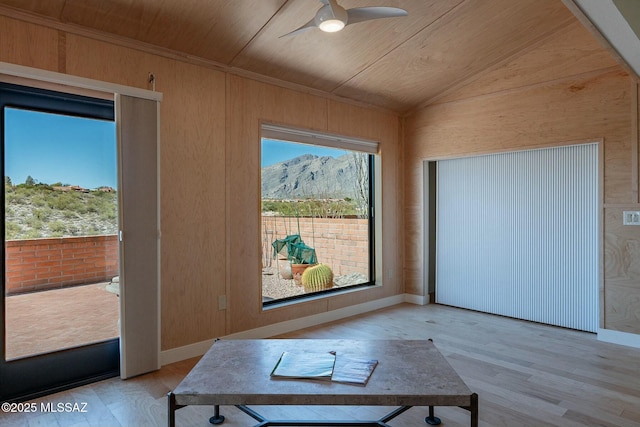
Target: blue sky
(278, 151)
(57, 148)
(79, 151)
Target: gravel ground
(275, 287)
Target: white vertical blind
(517, 235)
(137, 123)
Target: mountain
(311, 176)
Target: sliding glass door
(60, 285)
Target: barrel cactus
(317, 278)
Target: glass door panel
(61, 247)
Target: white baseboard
(617, 337)
(199, 348)
(186, 352)
(416, 299)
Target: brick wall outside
(341, 243)
(39, 264)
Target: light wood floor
(526, 374)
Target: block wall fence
(41, 264)
(341, 243)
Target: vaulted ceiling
(396, 63)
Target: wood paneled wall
(210, 175)
(249, 104)
(38, 47)
(565, 89)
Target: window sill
(288, 302)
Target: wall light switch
(631, 218)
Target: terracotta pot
(297, 270)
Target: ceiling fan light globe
(331, 19)
(331, 25)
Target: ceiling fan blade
(361, 14)
(332, 10)
(309, 25)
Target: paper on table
(305, 365)
(353, 371)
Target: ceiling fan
(332, 17)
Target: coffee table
(237, 372)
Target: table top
(237, 372)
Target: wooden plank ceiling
(398, 63)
